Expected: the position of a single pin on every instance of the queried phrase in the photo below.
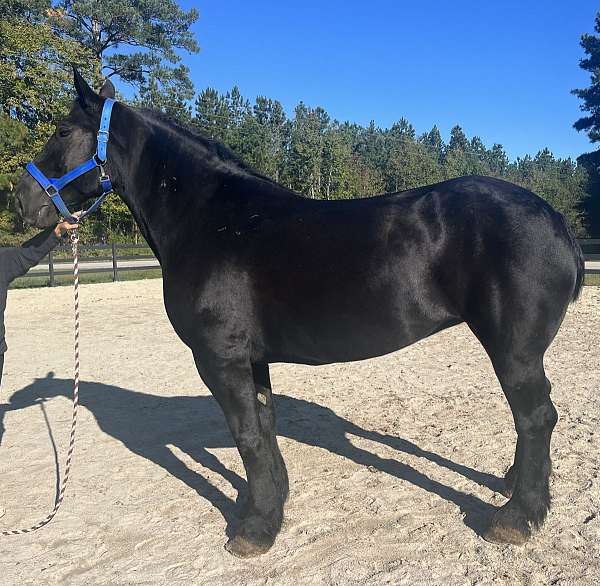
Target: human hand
(64, 226)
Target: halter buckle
(51, 191)
(103, 174)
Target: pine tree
(497, 161)
(456, 163)
(458, 140)
(157, 29)
(272, 128)
(172, 98)
(591, 124)
(305, 152)
(211, 114)
(434, 143)
(591, 95)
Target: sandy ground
(394, 472)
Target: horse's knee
(249, 443)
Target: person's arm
(15, 262)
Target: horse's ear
(108, 89)
(85, 94)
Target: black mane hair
(212, 146)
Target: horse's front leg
(266, 410)
(251, 421)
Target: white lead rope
(61, 494)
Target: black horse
(255, 274)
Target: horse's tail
(579, 260)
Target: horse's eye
(64, 131)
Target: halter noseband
(52, 187)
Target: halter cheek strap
(53, 186)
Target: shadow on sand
(147, 424)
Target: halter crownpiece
(52, 187)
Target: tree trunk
(98, 79)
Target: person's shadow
(147, 424)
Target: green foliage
(169, 91)
(35, 74)
(562, 183)
(35, 87)
(13, 140)
(156, 28)
(591, 95)
(266, 132)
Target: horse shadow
(148, 424)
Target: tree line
(307, 151)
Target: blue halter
(52, 187)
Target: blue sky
(502, 70)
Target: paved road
(592, 265)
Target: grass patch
(85, 278)
(89, 252)
(593, 279)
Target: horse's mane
(213, 147)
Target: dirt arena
(393, 474)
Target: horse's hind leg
(250, 418)
(528, 392)
(516, 325)
(515, 305)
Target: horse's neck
(177, 186)
(167, 181)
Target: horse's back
(380, 274)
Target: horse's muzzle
(32, 204)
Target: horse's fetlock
(534, 505)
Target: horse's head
(73, 142)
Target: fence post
(114, 262)
(51, 268)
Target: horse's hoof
(505, 535)
(507, 528)
(241, 547)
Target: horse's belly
(339, 338)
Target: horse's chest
(219, 307)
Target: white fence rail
(98, 258)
